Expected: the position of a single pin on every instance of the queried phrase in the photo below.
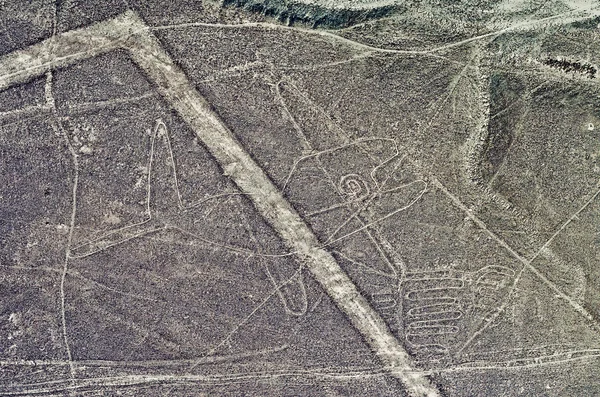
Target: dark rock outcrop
(314, 15)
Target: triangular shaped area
(139, 162)
(535, 327)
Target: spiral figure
(353, 186)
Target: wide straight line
(64, 49)
(130, 33)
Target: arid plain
(299, 198)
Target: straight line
(564, 225)
(526, 263)
(563, 18)
(174, 85)
(64, 49)
(129, 32)
(145, 363)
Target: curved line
(326, 151)
(411, 311)
(450, 315)
(381, 219)
(366, 267)
(119, 242)
(415, 324)
(297, 274)
(437, 330)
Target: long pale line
(145, 363)
(65, 49)
(563, 18)
(129, 32)
(526, 263)
(343, 374)
(59, 129)
(564, 225)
